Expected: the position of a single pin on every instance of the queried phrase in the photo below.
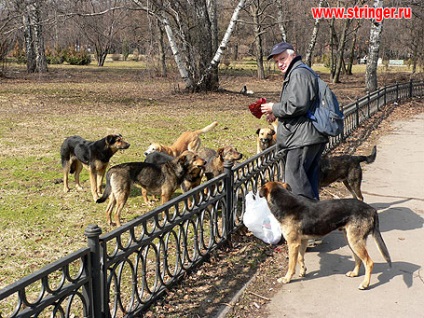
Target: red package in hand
(255, 108)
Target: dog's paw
(79, 188)
(302, 273)
(351, 274)
(283, 280)
(363, 286)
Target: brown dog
(302, 219)
(215, 159)
(347, 169)
(77, 152)
(160, 180)
(194, 175)
(266, 138)
(189, 140)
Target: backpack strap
(310, 113)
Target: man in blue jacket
(296, 134)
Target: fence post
(368, 105)
(92, 232)
(229, 182)
(410, 88)
(385, 95)
(357, 113)
(397, 92)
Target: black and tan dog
(347, 169)
(215, 159)
(153, 179)
(77, 152)
(266, 138)
(302, 219)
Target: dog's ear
(183, 159)
(257, 131)
(220, 152)
(263, 191)
(287, 186)
(110, 139)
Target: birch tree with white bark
(33, 34)
(373, 52)
(313, 41)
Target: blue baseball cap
(279, 48)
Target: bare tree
(313, 41)
(352, 49)
(99, 21)
(188, 28)
(256, 11)
(340, 51)
(415, 40)
(281, 24)
(33, 35)
(373, 51)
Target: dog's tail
(208, 128)
(107, 190)
(380, 242)
(371, 158)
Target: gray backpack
(325, 114)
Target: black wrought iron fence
(121, 273)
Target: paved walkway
(394, 184)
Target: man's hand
(266, 108)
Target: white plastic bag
(260, 221)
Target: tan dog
(266, 138)
(215, 159)
(189, 140)
(302, 219)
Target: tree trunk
(34, 40)
(162, 52)
(175, 52)
(257, 31)
(332, 44)
(223, 45)
(213, 17)
(373, 51)
(340, 51)
(101, 57)
(40, 52)
(310, 51)
(352, 51)
(29, 46)
(281, 26)
(201, 47)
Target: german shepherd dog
(160, 180)
(77, 152)
(188, 140)
(347, 169)
(302, 219)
